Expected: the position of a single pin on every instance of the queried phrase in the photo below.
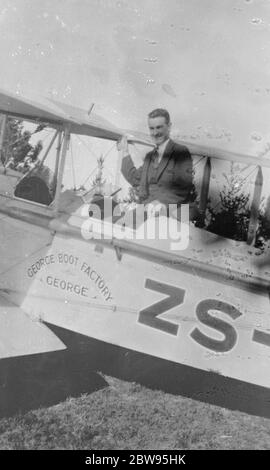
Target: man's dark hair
(160, 112)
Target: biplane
(203, 304)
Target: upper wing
(60, 114)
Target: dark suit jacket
(173, 183)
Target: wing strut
(61, 168)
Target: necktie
(155, 157)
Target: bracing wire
(22, 138)
(86, 146)
(96, 167)
(109, 151)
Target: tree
(13, 132)
(231, 219)
(98, 182)
(263, 231)
(16, 144)
(36, 151)
(22, 147)
(132, 195)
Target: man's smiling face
(159, 129)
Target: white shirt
(161, 149)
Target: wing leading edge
(61, 114)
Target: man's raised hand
(122, 146)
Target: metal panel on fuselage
(150, 307)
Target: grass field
(125, 415)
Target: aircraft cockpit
(28, 175)
(38, 185)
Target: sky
(206, 61)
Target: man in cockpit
(166, 174)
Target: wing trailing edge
(22, 336)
